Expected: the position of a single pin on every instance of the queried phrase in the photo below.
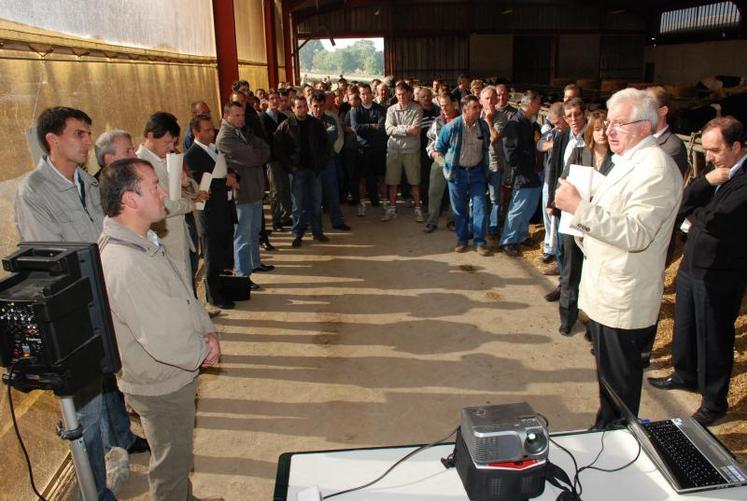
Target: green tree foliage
(360, 58)
(309, 51)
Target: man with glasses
(626, 229)
(567, 151)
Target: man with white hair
(626, 229)
(113, 145)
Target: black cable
(613, 470)
(18, 433)
(575, 481)
(408, 456)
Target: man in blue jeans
(303, 148)
(519, 148)
(330, 186)
(496, 112)
(462, 148)
(60, 202)
(246, 154)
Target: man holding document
(625, 222)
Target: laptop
(686, 453)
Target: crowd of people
(310, 150)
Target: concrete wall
(491, 55)
(689, 63)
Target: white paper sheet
(221, 169)
(586, 180)
(174, 168)
(207, 178)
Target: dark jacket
(287, 144)
(270, 126)
(217, 215)
(716, 247)
(520, 151)
(675, 148)
(361, 120)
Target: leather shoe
(511, 250)
(669, 383)
(564, 331)
(321, 238)
(254, 286)
(138, 446)
(548, 258)
(296, 243)
(552, 271)
(707, 417)
(264, 267)
(460, 248)
(225, 305)
(429, 228)
(553, 295)
(342, 227)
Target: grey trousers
(280, 198)
(436, 190)
(168, 422)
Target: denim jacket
(449, 144)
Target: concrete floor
(380, 337)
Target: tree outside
(361, 59)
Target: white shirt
(78, 181)
(662, 131)
(574, 141)
(618, 159)
(209, 149)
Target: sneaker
(362, 208)
(389, 214)
(419, 215)
(460, 248)
(483, 250)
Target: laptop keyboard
(689, 466)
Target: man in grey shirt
(60, 202)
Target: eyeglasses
(618, 125)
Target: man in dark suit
(665, 138)
(712, 276)
(567, 149)
(216, 218)
(280, 202)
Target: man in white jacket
(626, 228)
(161, 134)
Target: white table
(423, 477)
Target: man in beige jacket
(163, 333)
(626, 228)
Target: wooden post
(225, 46)
(271, 43)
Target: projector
(501, 433)
(501, 452)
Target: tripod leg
(73, 434)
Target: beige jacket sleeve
(631, 220)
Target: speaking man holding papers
(626, 228)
